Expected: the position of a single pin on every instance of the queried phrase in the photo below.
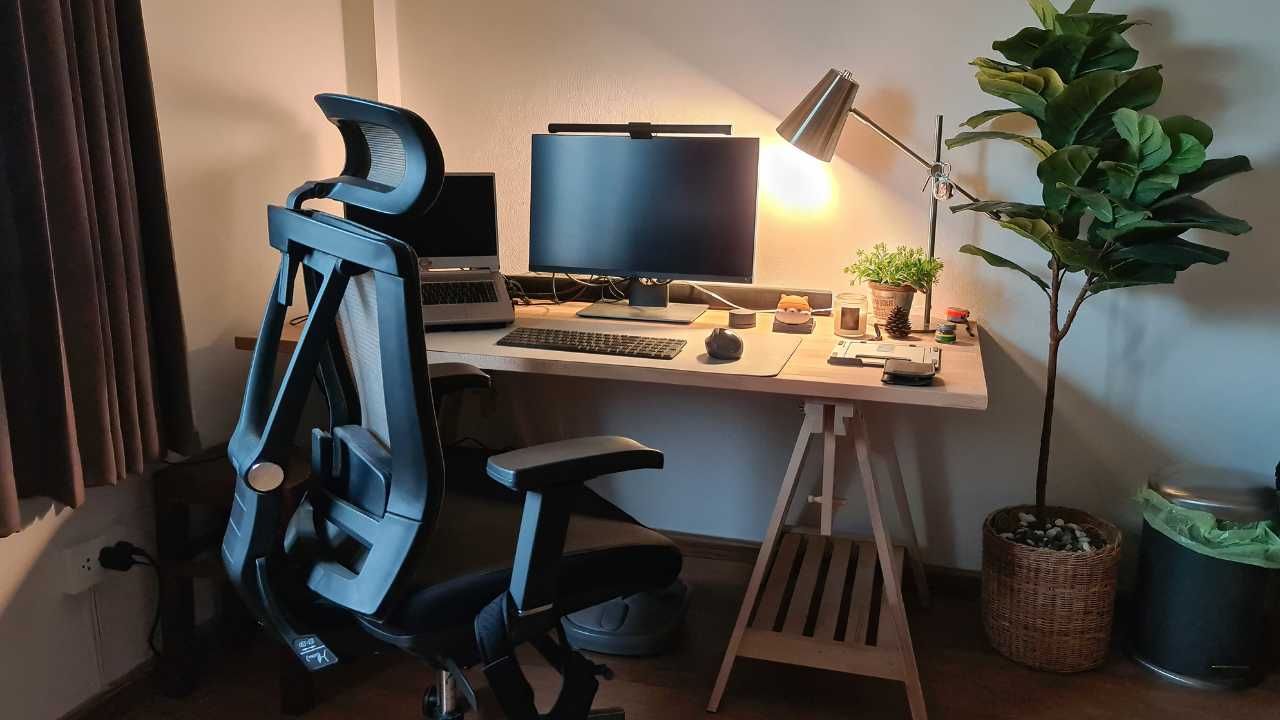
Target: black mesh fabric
(386, 154)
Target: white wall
(1141, 384)
(233, 85)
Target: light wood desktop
(961, 384)
(833, 397)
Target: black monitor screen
(463, 222)
(667, 207)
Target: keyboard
(458, 292)
(597, 343)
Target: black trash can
(1201, 620)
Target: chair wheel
(431, 707)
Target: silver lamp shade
(816, 123)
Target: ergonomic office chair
(453, 580)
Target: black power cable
(121, 557)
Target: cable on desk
(736, 306)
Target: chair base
(456, 705)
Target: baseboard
(947, 580)
(707, 547)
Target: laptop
(457, 245)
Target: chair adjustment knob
(265, 477)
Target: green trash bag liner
(1253, 543)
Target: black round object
(1200, 619)
(646, 623)
(724, 344)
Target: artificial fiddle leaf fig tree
(1119, 184)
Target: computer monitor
(460, 230)
(648, 209)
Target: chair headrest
(394, 164)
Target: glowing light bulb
(793, 183)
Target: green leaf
(1080, 7)
(1187, 156)
(1040, 147)
(1121, 177)
(1047, 13)
(1139, 92)
(989, 64)
(1180, 124)
(1175, 218)
(1134, 274)
(1077, 255)
(996, 261)
(1148, 144)
(1020, 88)
(1037, 231)
(1153, 186)
(1127, 213)
(1010, 209)
(1195, 213)
(1067, 113)
(1175, 253)
(987, 116)
(1022, 47)
(1063, 54)
(1065, 166)
(1094, 200)
(1109, 51)
(1091, 24)
(1053, 85)
(1212, 172)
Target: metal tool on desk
(875, 354)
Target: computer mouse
(724, 344)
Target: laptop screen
(462, 224)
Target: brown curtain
(93, 379)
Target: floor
(962, 678)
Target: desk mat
(764, 354)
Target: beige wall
(1141, 383)
(233, 85)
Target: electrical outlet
(80, 568)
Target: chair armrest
(568, 462)
(449, 376)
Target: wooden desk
(786, 616)
(962, 383)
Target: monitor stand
(645, 301)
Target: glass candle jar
(850, 315)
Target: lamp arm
(903, 147)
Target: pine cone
(898, 324)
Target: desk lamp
(815, 126)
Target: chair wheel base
(432, 710)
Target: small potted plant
(1118, 196)
(894, 276)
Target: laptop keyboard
(598, 343)
(458, 292)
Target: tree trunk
(1046, 428)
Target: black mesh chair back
(354, 535)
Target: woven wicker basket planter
(1048, 609)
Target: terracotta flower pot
(884, 298)
(1049, 609)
